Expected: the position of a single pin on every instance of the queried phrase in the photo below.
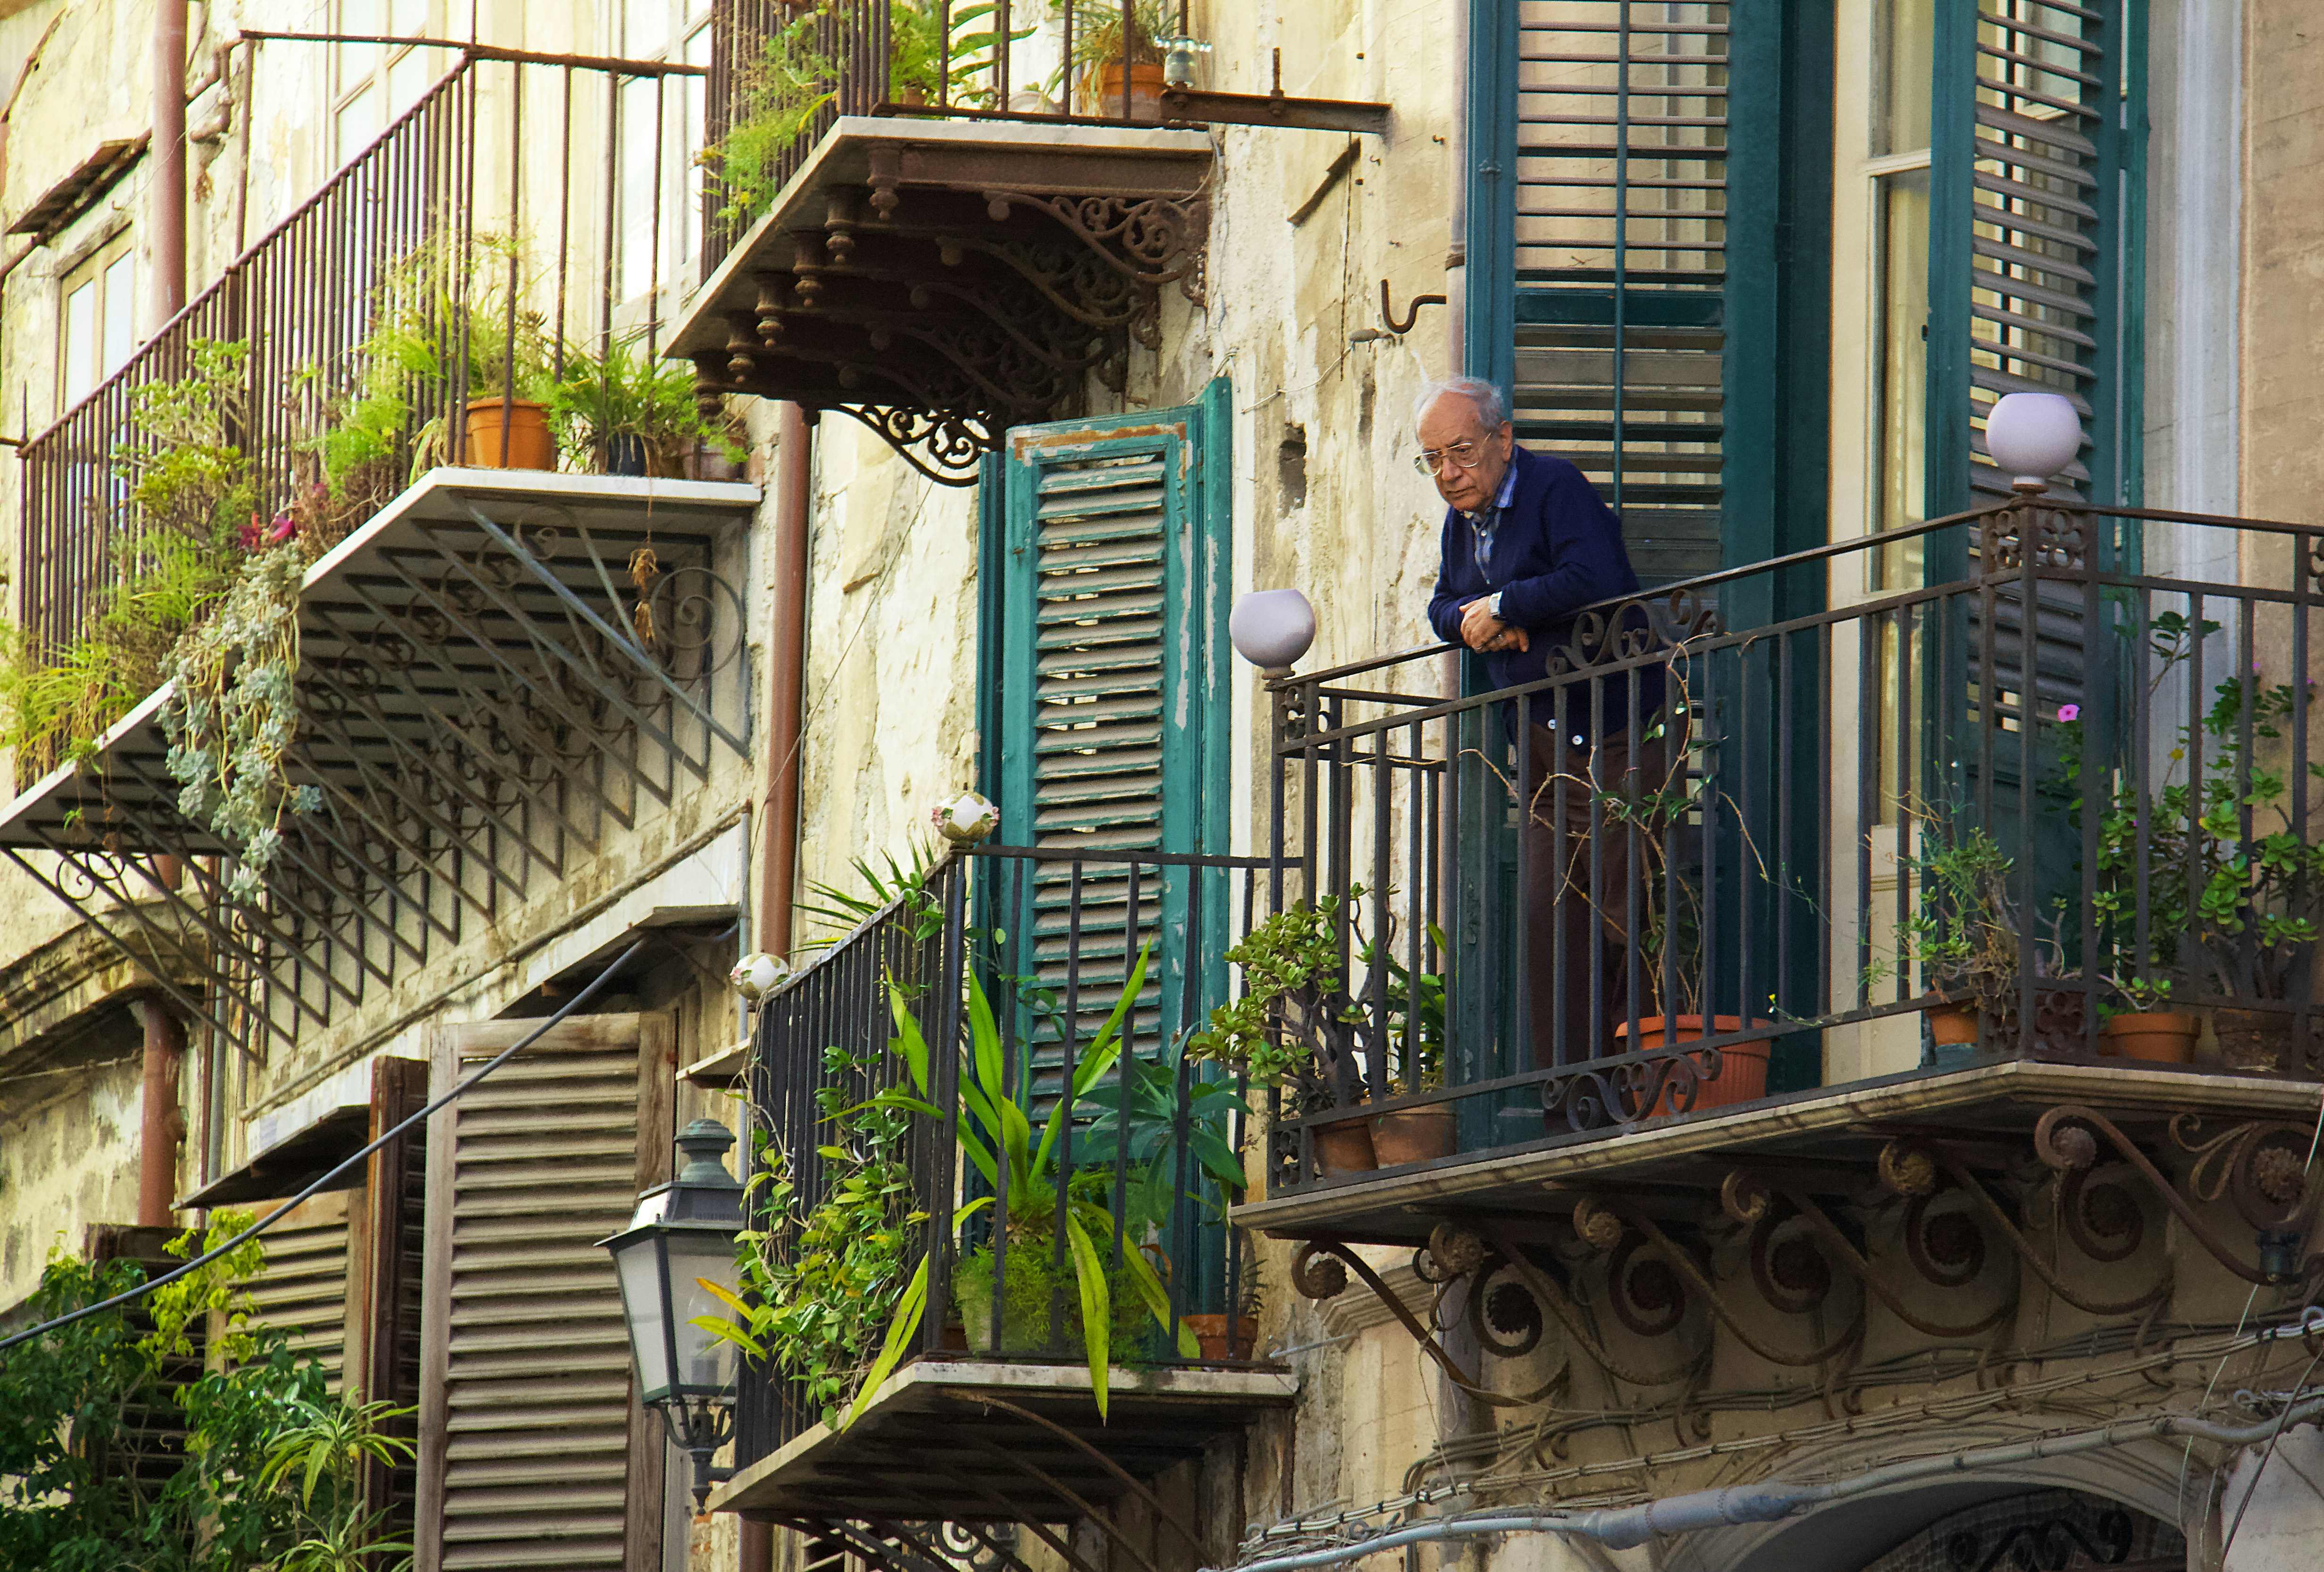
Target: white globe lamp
(1272, 628)
(2032, 436)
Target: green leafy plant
(2226, 910)
(178, 526)
(269, 1476)
(780, 96)
(621, 394)
(843, 909)
(1290, 958)
(823, 1283)
(1097, 32)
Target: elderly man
(1528, 543)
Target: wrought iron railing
(491, 149)
(1044, 942)
(792, 61)
(1862, 831)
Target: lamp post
(684, 1233)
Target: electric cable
(286, 1207)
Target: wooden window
(658, 134)
(97, 320)
(532, 1449)
(372, 83)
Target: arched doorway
(1980, 1526)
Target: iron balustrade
(455, 166)
(1042, 936)
(1861, 813)
(840, 57)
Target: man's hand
(1484, 633)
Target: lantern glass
(705, 1363)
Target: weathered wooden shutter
(306, 1290)
(1104, 643)
(152, 1445)
(532, 1451)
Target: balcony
(943, 253)
(1921, 835)
(450, 660)
(972, 1002)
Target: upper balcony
(932, 225)
(996, 1281)
(368, 600)
(1914, 863)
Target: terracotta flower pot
(530, 444)
(1103, 84)
(1413, 1135)
(2255, 1040)
(2156, 1036)
(1345, 1146)
(1742, 1075)
(1951, 1024)
(1224, 1336)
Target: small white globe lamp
(1272, 628)
(2032, 436)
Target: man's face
(1452, 431)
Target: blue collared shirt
(1487, 519)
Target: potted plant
(1294, 1027)
(1100, 62)
(1414, 1015)
(1225, 1335)
(622, 413)
(2184, 894)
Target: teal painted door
(1104, 619)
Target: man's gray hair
(1492, 406)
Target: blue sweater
(1557, 549)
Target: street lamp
(684, 1233)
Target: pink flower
(2070, 712)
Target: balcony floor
(927, 1447)
(1832, 1135)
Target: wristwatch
(1493, 605)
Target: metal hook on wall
(1412, 311)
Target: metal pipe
(487, 51)
(1622, 1528)
(169, 147)
(161, 1123)
(786, 677)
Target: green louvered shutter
(1104, 629)
(2033, 272)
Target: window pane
(408, 18)
(645, 28)
(1902, 329)
(77, 353)
(695, 132)
(1906, 64)
(634, 257)
(408, 78)
(359, 123)
(120, 331)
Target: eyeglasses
(1466, 455)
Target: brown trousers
(1579, 907)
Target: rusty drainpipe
(778, 782)
(168, 159)
(169, 198)
(161, 1125)
(786, 678)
